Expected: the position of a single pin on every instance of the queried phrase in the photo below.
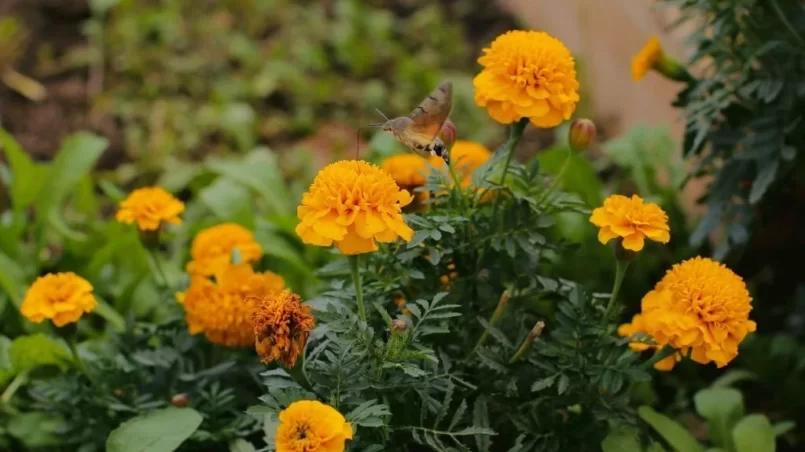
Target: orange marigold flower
(646, 59)
(150, 207)
(219, 308)
(281, 325)
(311, 426)
(700, 307)
(638, 327)
(632, 220)
(212, 248)
(527, 74)
(353, 204)
(61, 297)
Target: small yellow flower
(527, 74)
(353, 204)
(311, 426)
(638, 327)
(150, 207)
(219, 308)
(281, 326)
(646, 59)
(212, 248)
(700, 307)
(632, 220)
(61, 297)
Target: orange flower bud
(582, 133)
(448, 134)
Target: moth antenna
(381, 114)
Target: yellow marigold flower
(61, 297)
(638, 326)
(632, 220)
(281, 326)
(353, 204)
(150, 207)
(527, 74)
(219, 308)
(646, 59)
(212, 248)
(311, 426)
(701, 307)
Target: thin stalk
(526, 345)
(457, 184)
(620, 273)
(558, 177)
(159, 269)
(354, 264)
(515, 134)
(501, 307)
(19, 380)
(71, 341)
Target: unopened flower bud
(399, 325)
(582, 133)
(180, 400)
(448, 134)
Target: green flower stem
(159, 269)
(558, 177)
(457, 183)
(501, 307)
(19, 380)
(526, 346)
(354, 264)
(664, 352)
(73, 343)
(620, 273)
(515, 134)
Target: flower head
(527, 74)
(211, 252)
(61, 297)
(281, 326)
(701, 307)
(353, 204)
(150, 207)
(311, 426)
(220, 309)
(646, 59)
(632, 220)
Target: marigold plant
(701, 308)
(219, 309)
(353, 204)
(632, 220)
(150, 207)
(311, 426)
(212, 248)
(60, 297)
(527, 74)
(281, 325)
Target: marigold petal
(634, 242)
(352, 244)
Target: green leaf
(75, 159)
(260, 172)
(12, 279)
(159, 431)
(545, 383)
(676, 435)
(781, 428)
(26, 180)
(110, 314)
(241, 445)
(621, 440)
(229, 200)
(731, 377)
(28, 352)
(764, 179)
(6, 368)
(754, 434)
(722, 407)
(36, 429)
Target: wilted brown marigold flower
(219, 308)
(150, 207)
(212, 248)
(281, 325)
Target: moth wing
(429, 116)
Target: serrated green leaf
(545, 383)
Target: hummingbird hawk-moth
(419, 131)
